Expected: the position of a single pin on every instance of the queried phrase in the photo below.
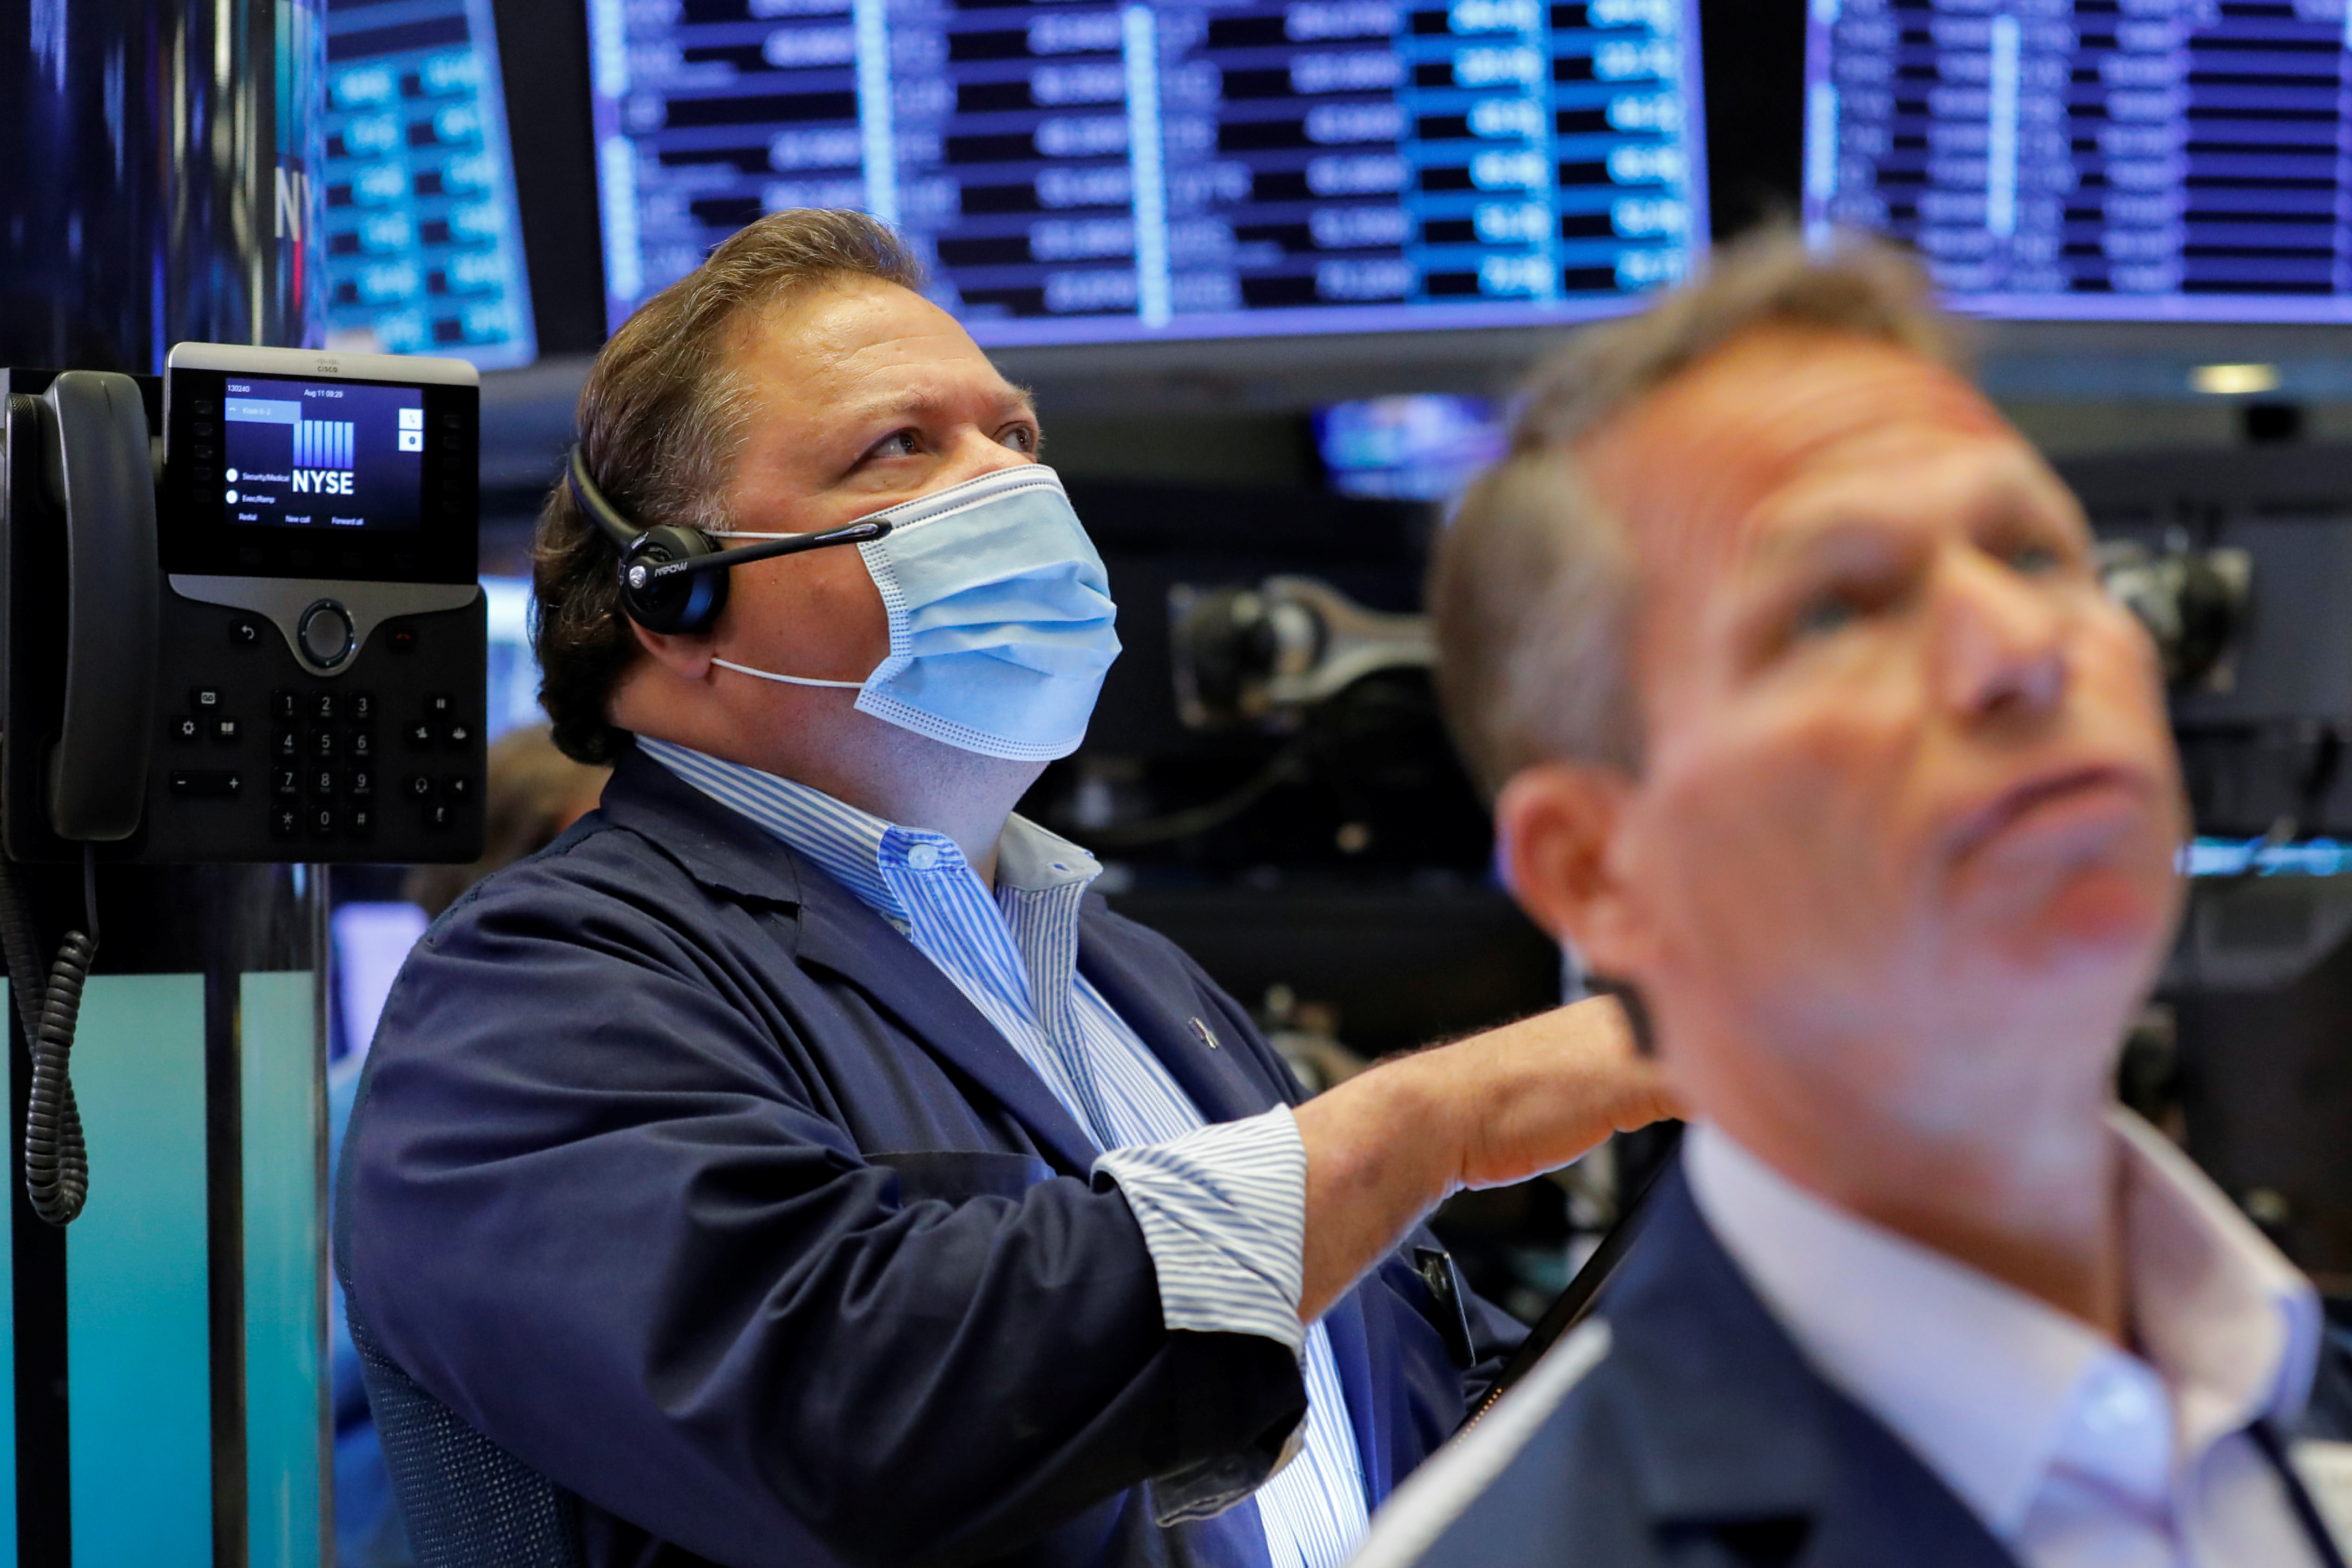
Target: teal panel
(138, 1346)
(285, 1280)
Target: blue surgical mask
(999, 619)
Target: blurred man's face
(1907, 776)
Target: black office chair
(467, 1502)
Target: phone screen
(323, 455)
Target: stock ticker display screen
(327, 455)
(2122, 159)
(423, 246)
(1075, 171)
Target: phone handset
(98, 471)
(97, 468)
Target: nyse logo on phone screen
(339, 455)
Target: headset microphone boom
(674, 578)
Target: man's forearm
(1386, 1147)
(1382, 1151)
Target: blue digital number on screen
(1073, 170)
(423, 254)
(2140, 160)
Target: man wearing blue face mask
(796, 1165)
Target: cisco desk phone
(242, 618)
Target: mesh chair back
(464, 1501)
(467, 1502)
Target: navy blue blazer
(1703, 1439)
(680, 1175)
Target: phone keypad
(315, 755)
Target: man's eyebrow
(2006, 498)
(1801, 541)
(918, 404)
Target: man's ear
(687, 658)
(1554, 823)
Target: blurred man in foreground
(1810, 721)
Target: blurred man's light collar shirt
(2071, 1451)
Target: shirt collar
(1029, 859)
(2233, 1326)
(1991, 1387)
(855, 847)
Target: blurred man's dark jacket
(1702, 1438)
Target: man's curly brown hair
(661, 421)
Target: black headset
(675, 579)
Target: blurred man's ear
(1554, 823)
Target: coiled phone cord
(56, 1160)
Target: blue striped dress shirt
(1221, 1206)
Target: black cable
(1285, 767)
(1637, 1011)
(57, 1159)
(1319, 751)
(1571, 1306)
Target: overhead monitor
(424, 252)
(1413, 447)
(2124, 161)
(1093, 171)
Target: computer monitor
(424, 252)
(372, 939)
(512, 669)
(1413, 447)
(1103, 172)
(2127, 162)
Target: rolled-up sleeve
(1223, 1215)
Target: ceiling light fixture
(2234, 379)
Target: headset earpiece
(686, 603)
(675, 579)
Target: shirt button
(923, 857)
(2118, 1403)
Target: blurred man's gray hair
(1533, 584)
